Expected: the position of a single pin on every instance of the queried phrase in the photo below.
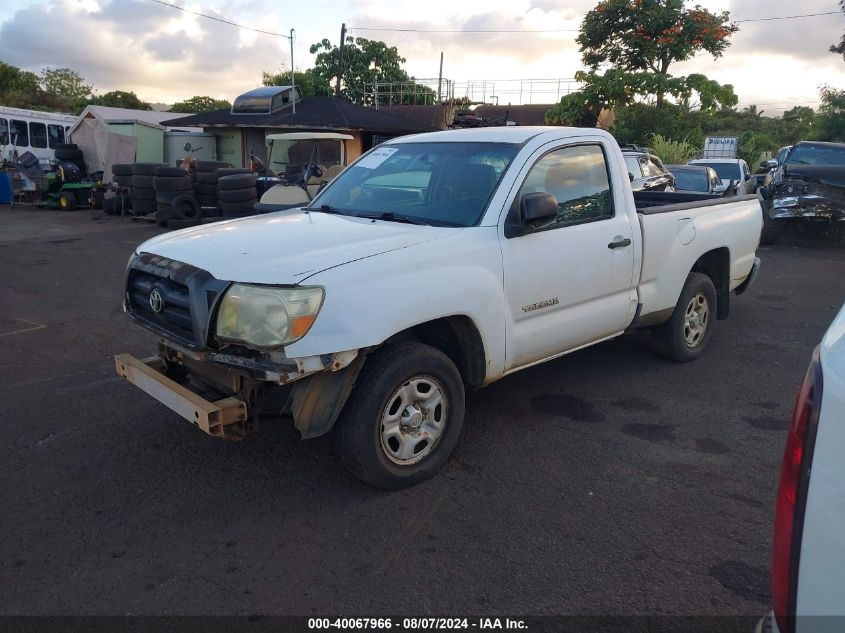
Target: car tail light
(792, 496)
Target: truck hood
(286, 247)
(832, 175)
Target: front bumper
(220, 418)
(810, 206)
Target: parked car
(733, 172)
(768, 167)
(696, 178)
(808, 551)
(646, 171)
(433, 264)
(809, 187)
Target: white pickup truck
(433, 264)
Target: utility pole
(440, 80)
(292, 74)
(340, 58)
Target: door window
(38, 135)
(578, 179)
(4, 132)
(633, 165)
(56, 134)
(19, 133)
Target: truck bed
(650, 201)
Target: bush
(672, 152)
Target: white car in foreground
(808, 563)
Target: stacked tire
(174, 188)
(122, 174)
(143, 188)
(205, 186)
(70, 153)
(237, 195)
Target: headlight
(267, 317)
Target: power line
(410, 30)
(216, 19)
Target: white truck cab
(433, 264)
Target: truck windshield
(811, 154)
(443, 184)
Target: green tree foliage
(67, 87)
(120, 99)
(310, 83)
(200, 104)
(831, 119)
(18, 88)
(644, 37)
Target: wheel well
(458, 338)
(716, 264)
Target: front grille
(174, 309)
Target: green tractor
(65, 189)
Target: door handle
(619, 243)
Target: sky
(164, 55)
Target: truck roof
(505, 134)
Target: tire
(67, 201)
(246, 207)
(211, 165)
(236, 181)
(680, 340)
(207, 201)
(143, 193)
(123, 181)
(182, 183)
(772, 229)
(143, 181)
(205, 188)
(182, 224)
(162, 216)
(230, 171)
(143, 207)
(207, 178)
(68, 155)
(121, 169)
(170, 172)
(63, 146)
(185, 208)
(376, 457)
(145, 169)
(238, 195)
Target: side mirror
(720, 188)
(537, 207)
(769, 164)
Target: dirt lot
(606, 482)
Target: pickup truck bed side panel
(674, 241)
(368, 300)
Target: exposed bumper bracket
(211, 417)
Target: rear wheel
(685, 335)
(404, 417)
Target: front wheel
(684, 336)
(404, 417)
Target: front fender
(369, 300)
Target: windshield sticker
(377, 157)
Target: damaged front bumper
(810, 206)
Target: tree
(364, 62)
(120, 99)
(649, 35)
(308, 82)
(66, 88)
(840, 48)
(18, 88)
(200, 104)
(831, 120)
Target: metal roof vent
(266, 100)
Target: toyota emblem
(156, 301)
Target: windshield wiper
(327, 208)
(389, 216)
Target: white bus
(32, 131)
